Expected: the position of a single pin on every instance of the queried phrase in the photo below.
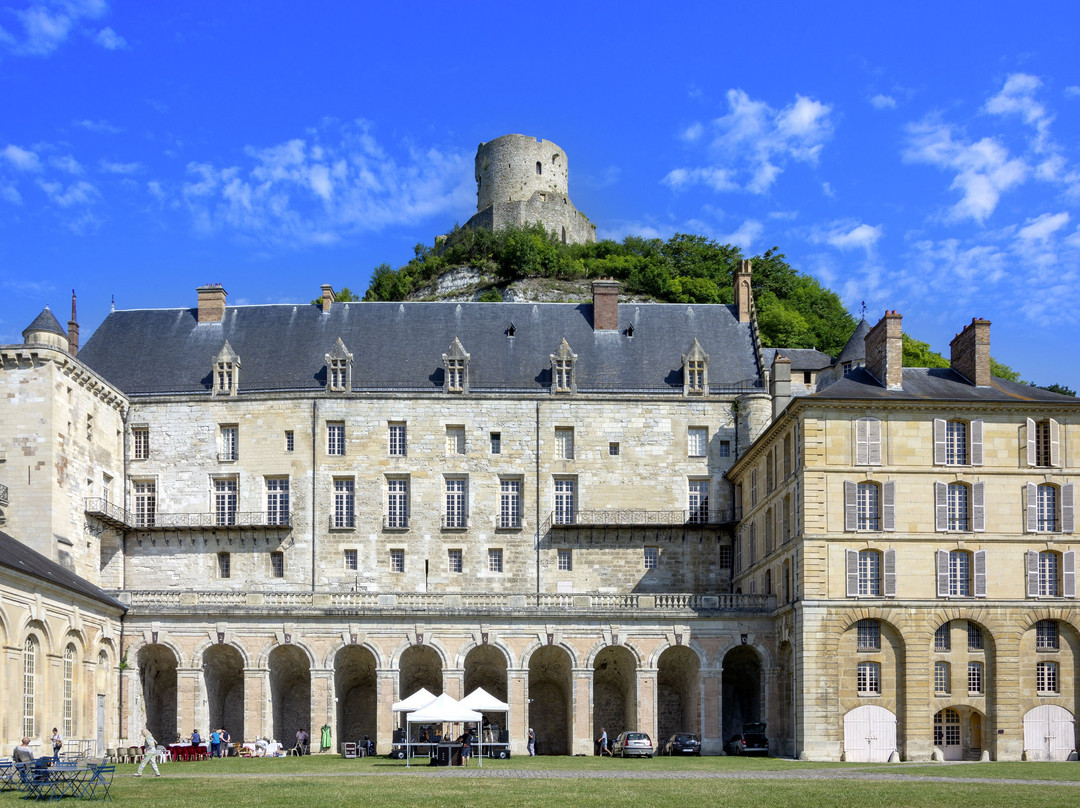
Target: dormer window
(456, 366)
(339, 369)
(562, 370)
(695, 371)
(226, 371)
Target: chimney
(605, 296)
(743, 296)
(971, 352)
(211, 303)
(327, 297)
(780, 383)
(885, 351)
(73, 329)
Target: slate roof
(855, 349)
(399, 346)
(45, 322)
(17, 556)
(801, 358)
(936, 384)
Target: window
(959, 574)
(1046, 499)
(455, 563)
(1043, 443)
(277, 501)
(753, 487)
(455, 440)
(1044, 573)
(397, 513)
(564, 442)
(566, 560)
(539, 167)
(695, 370)
(868, 442)
(770, 471)
(697, 441)
(695, 375)
(226, 372)
(698, 502)
(1046, 677)
(335, 439)
(277, 565)
(68, 692)
(1050, 508)
(724, 448)
(290, 443)
(942, 678)
(942, 642)
(869, 679)
(564, 502)
(224, 565)
(456, 516)
(868, 634)
(455, 375)
(397, 440)
(510, 503)
(229, 439)
(652, 558)
(958, 506)
(869, 573)
(613, 449)
(807, 377)
(724, 556)
(140, 438)
(869, 506)
(957, 443)
(226, 497)
(1046, 635)
(351, 561)
(344, 503)
(975, 678)
(145, 503)
(495, 559)
(562, 369)
(956, 453)
(496, 443)
(975, 636)
(29, 682)
(397, 560)
(89, 428)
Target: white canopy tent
(483, 702)
(444, 710)
(421, 698)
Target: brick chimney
(327, 297)
(743, 295)
(780, 382)
(73, 329)
(211, 303)
(605, 301)
(971, 352)
(885, 351)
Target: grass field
(558, 782)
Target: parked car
(681, 743)
(751, 741)
(630, 744)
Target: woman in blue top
(215, 744)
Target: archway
(356, 688)
(157, 678)
(549, 700)
(678, 680)
(614, 691)
(485, 666)
(290, 692)
(869, 734)
(958, 733)
(741, 684)
(420, 666)
(223, 677)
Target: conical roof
(855, 349)
(45, 322)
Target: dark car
(751, 741)
(632, 744)
(681, 743)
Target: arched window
(1046, 505)
(30, 665)
(942, 641)
(539, 167)
(869, 506)
(868, 635)
(1046, 635)
(69, 687)
(869, 572)
(959, 505)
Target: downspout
(536, 451)
(124, 482)
(314, 475)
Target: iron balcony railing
(117, 516)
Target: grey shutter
(1031, 508)
(851, 514)
(1029, 437)
(852, 573)
(941, 506)
(976, 443)
(1067, 509)
(1068, 574)
(943, 573)
(889, 589)
(978, 507)
(980, 573)
(939, 442)
(873, 441)
(797, 509)
(1032, 573)
(1055, 444)
(862, 452)
(888, 506)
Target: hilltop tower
(522, 180)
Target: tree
(1056, 388)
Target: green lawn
(551, 782)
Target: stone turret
(46, 330)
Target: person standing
(226, 739)
(532, 743)
(151, 753)
(602, 740)
(57, 744)
(215, 744)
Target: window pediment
(456, 368)
(226, 372)
(563, 367)
(695, 364)
(339, 368)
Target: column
(712, 716)
(581, 729)
(322, 710)
(258, 711)
(517, 721)
(454, 683)
(386, 690)
(190, 703)
(646, 703)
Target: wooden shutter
(980, 573)
(1068, 574)
(851, 512)
(889, 579)
(873, 441)
(1031, 508)
(941, 506)
(862, 450)
(852, 573)
(1029, 436)
(1067, 509)
(1055, 444)
(1032, 573)
(939, 442)
(976, 458)
(797, 509)
(943, 573)
(888, 506)
(978, 507)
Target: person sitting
(275, 749)
(260, 746)
(369, 746)
(196, 739)
(23, 753)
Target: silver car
(632, 744)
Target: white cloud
(750, 146)
(745, 236)
(66, 163)
(98, 126)
(849, 236)
(120, 168)
(20, 158)
(1043, 227)
(1072, 91)
(693, 132)
(78, 193)
(44, 29)
(827, 190)
(110, 40)
(9, 194)
(1017, 97)
(881, 101)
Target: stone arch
(763, 653)
(76, 637)
(223, 682)
(136, 647)
(465, 650)
(741, 688)
(486, 666)
(614, 690)
(290, 690)
(960, 732)
(356, 692)
(678, 680)
(551, 699)
(420, 666)
(263, 659)
(1049, 733)
(434, 645)
(601, 645)
(888, 656)
(156, 665)
(40, 629)
(5, 626)
(201, 649)
(335, 649)
(536, 645)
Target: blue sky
(923, 159)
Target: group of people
(24, 754)
(217, 738)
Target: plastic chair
(134, 754)
(111, 756)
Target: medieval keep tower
(521, 180)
